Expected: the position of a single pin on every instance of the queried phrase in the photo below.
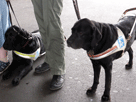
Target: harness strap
(124, 13)
(103, 54)
(129, 35)
(32, 56)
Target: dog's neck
(30, 46)
(107, 36)
(119, 45)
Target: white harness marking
(119, 45)
(32, 56)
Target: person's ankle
(4, 59)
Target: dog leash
(9, 4)
(75, 3)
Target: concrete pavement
(79, 76)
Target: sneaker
(57, 82)
(3, 66)
(42, 68)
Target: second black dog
(25, 47)
(95, 38)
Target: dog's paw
(90, 91)
(16, 81)
(6, 76)
(105, 98)
(128, 66)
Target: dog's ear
(96, 37)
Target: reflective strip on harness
(119, 45)
(32, 56)
(104, 54)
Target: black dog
(95, 38)
(21, 43)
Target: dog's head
(15, 38)
(84, 35)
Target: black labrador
(96, 38)
(21, 43)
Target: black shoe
(42, 68)
(57, 82)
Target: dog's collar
(32, 56)
(119, 45)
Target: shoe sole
(53, 89)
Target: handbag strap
(9, 4)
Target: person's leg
(4, 63)
(4, 25)
(38, 11)
(47, 13)
(56, 49)
(48, 17)
(3, 55)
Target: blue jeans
(4, 20)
